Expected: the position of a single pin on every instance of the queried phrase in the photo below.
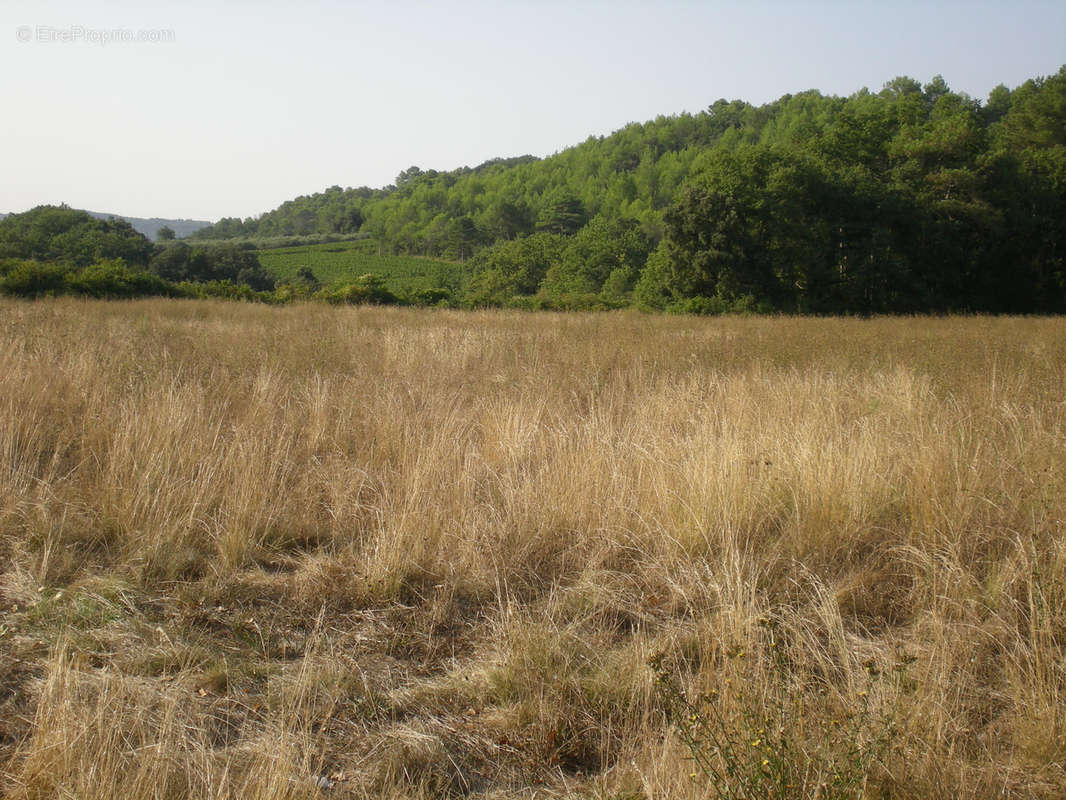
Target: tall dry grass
(432, 553)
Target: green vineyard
(340, 262)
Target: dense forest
(913, 198)
(59, 250)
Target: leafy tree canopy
(60, 233)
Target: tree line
(56, 250)
(912, 198)
(60, 250)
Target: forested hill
(910, 198)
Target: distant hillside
(150, 227)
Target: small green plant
(770, 736)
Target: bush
(114, 279)
(574, 301)
(772, 734)
(366, 289)
(225, 290)
(716, 304)
(430, 297)
(33, 279)
(226, 262)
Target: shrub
(34, 279)
(430, 297)
(366, 289)
(115, 279)
(752, 738)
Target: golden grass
(431, 553)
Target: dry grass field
(248, 552)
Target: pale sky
(244, 105)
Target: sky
(226, 109)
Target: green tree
(407, 176)
(514, 268)
(462, 238)
(561, 212)
(225, 262)
(508, 219)
(717, 232)
(59, 233)
(601, 248)
(306, 278)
